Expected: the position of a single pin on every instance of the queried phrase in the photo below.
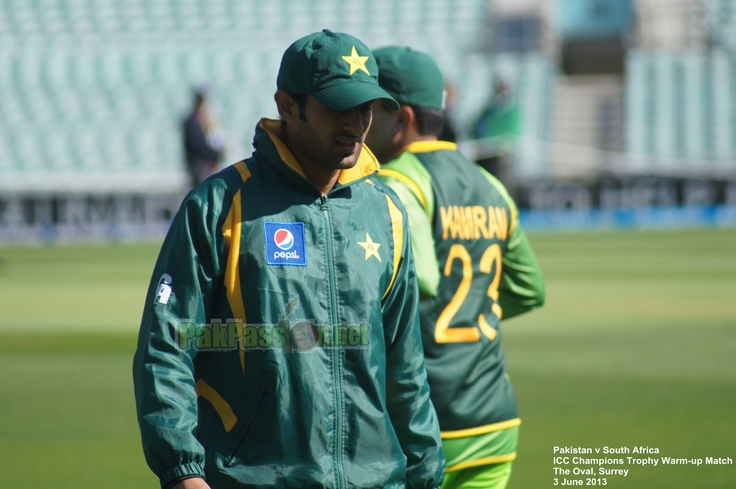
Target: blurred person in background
(280, 342)
(475, 266)
(204, 145)
(499, 127)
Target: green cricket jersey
(475, 267)
(280, 345)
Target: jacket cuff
(184, 471)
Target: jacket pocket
(229, 459)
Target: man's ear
(406, 118)
(405, 125)
(286, 105)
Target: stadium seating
(681, 110)
(720, 20)
(90, 88)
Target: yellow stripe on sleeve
(397, 228)
(231, 230)
(480, 430)
(243, 170)
(223, 409)
(482, 461)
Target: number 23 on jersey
(466, 334)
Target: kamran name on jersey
(474, 222)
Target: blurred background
(612, 122)
(603, 109)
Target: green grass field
(635, 347)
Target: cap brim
(345, 96)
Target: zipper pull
(323, 203)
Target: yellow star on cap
(356, 62)
(371, 248)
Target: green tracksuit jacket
(280, 344)
(475, 266)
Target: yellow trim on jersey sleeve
(480, 430)
(231, 231)
(223, 409)
(482, 461)
(243, 170)
(397, 228)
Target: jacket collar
(270, 130)
(429, 146)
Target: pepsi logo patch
(284, 239)
(285, 243)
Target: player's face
(330, 139)
(381, 137)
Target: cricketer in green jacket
(474, 264)
(280, 344)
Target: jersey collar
(429, 146)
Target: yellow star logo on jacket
(356, 62)
(371, 248)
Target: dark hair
(429, 121)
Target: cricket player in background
(474, 267)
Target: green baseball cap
(411, 77)
(337, 69)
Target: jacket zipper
(335, 351)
